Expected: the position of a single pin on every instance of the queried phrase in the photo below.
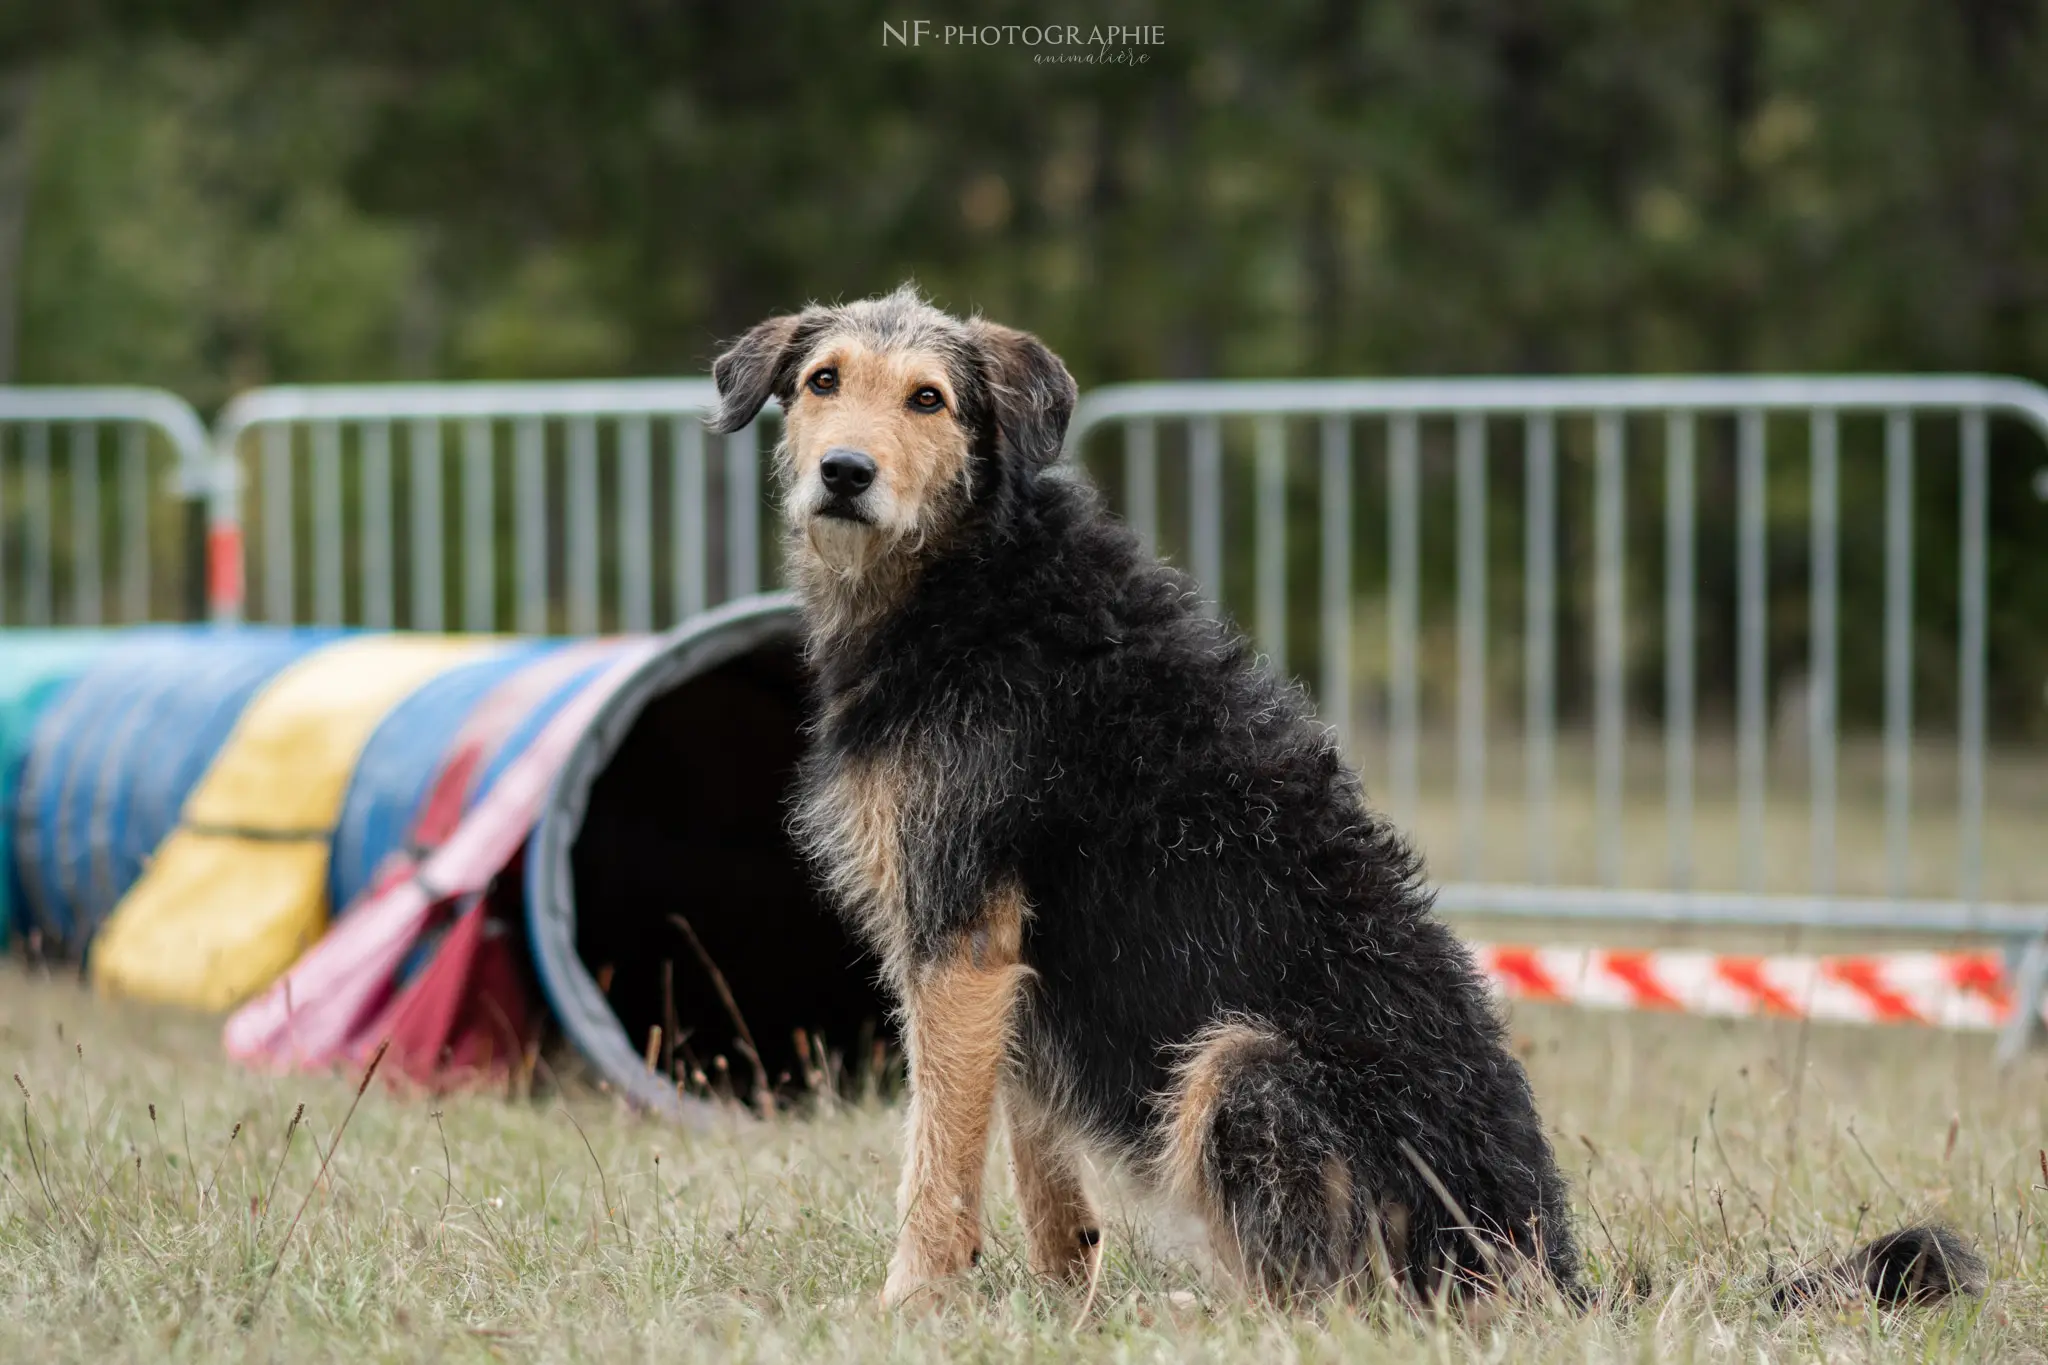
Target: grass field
(564, 1228)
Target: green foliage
(1332, 188)
(189, 225)
(220, 197)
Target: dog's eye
(825, 380)
(927, 399)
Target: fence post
(1539, 588)
(1679, 528)
(1404, 573)
(2029, 988)
(1471, 645)
(1898, 650)
(1609, 664)
(1820, 754)
(1335, 701)
(1752, 643)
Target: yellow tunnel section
(239, 889)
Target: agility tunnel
(460, 849)
(111, 761)
(36, 669)
(463, 844)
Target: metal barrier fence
(1454, 426)
(606, 505)
(557, 492)
(69, 553)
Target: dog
(1122, 884)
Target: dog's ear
(759, 366)
(1031, 395)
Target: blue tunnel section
(37, 668)
(110, 764)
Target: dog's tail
(1254, 1143)
(1923, 1264)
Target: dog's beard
(849, 551)
(850, 574)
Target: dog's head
(899, 422)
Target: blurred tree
(1451, 186)
(220, 193)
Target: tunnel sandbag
(673, 803)
(109, 766)
(239, 889)
(36, 668)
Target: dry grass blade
(447, 1173)
(249, 1314)
(1451, 1206)
(764, 1099)
(35, 1159)
(290, 1129)
(1871, 1161)
(191, 1170)
(1101, 1254)
(604, 1185)
(222, 1161)
(669, 1023)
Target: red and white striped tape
(1947, 990)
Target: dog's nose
(846, 473)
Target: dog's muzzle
(846, 475)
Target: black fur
(1911, 1266)
(1193, 847)
(1195, 851)
(1026, 393)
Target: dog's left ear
(1030, 392)
(759, 366)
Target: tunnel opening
(674, 806)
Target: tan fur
(1061, 1229)
(1205, 1069)
(848, 573)
(957, 1015)
(1337, 1195)
(856, 826)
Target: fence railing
(1600, 431)
(1629, 527)
(81, 474)
(528, 506)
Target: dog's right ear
(759, 366)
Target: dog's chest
(853, 820)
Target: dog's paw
(1069, 1257)
(925, 1282)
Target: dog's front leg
(957, 1013)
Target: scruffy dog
(1116, 874)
